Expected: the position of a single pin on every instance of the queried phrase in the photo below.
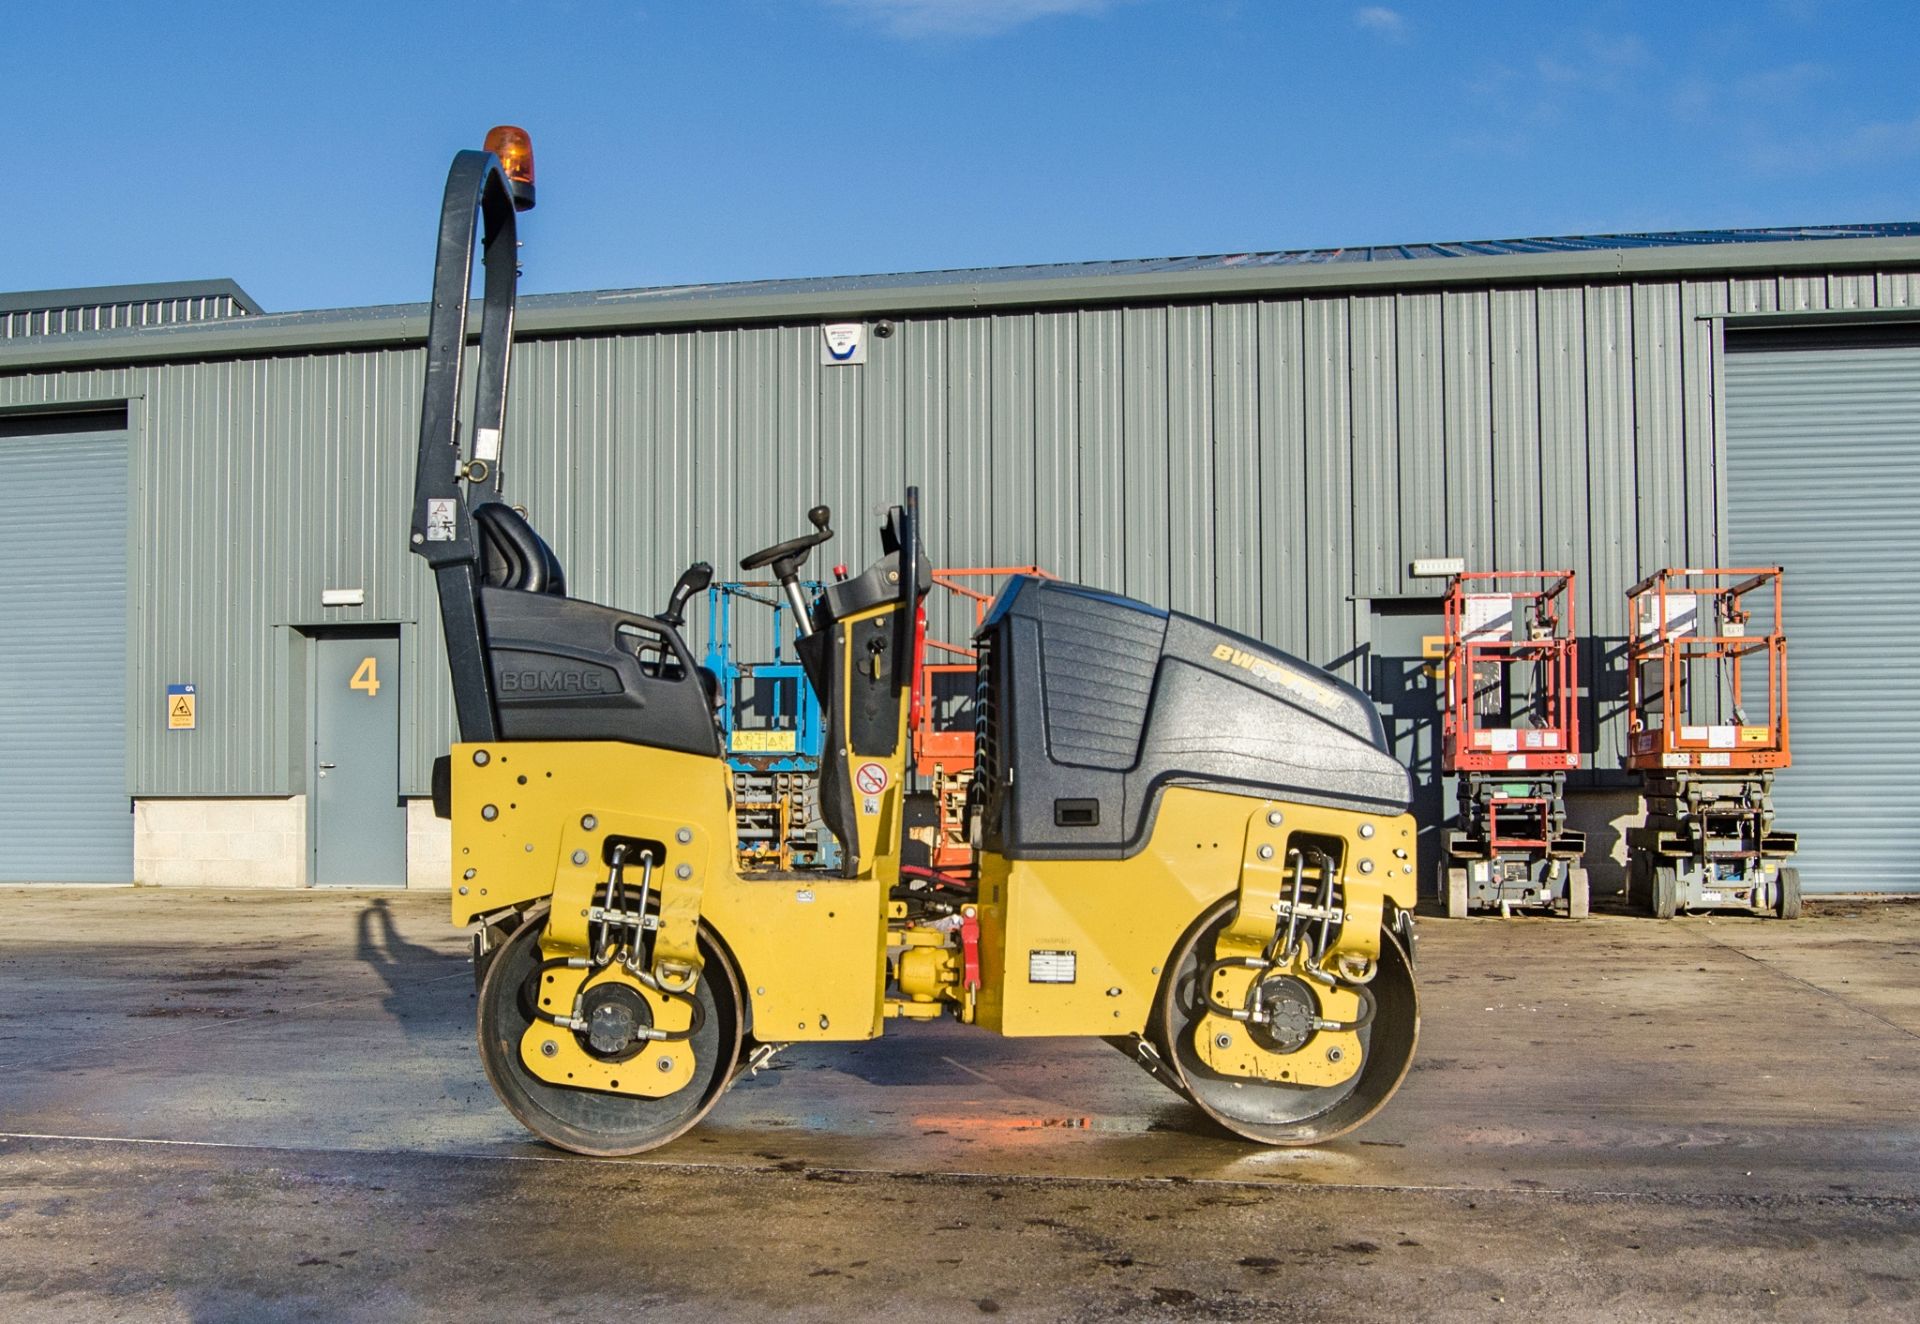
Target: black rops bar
(905, 621)
(477, 189)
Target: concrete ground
(266, 1106)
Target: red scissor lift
(941, 718)
(1707, 729)
(1510, 734)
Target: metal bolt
(1336, 1054)
(468, 874)
(579, 857)
(1366, 866)
(529, 848)
(1273, 818)
(1114, 992)
(760, 992)
(479, 758)
(1223, 1041)
(683, 836)
(489, 812)
(463, 891)
(684, 871)
(589, 822)
(1156, 970)
(419, 538)
(1366, 829)
(1265, 852)
(823, 1020)
(665, 1064)
(549, 1048)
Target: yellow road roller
(1188, 844)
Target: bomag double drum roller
(1191, 845)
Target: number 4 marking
(366, 678)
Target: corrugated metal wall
(1272, 464)
(116, 316)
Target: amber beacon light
(511, 144)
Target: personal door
(1406, 682)
(359, 823)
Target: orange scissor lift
(1707, 729)
(941, 714)
(1510, 734)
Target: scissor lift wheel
(1787, 903)
(1579, 899)
(1663, 891)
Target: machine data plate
(1050, 967)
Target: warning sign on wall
(181, 707)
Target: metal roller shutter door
(63, 658)
(1823, 478)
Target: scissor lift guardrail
(1707, 730)
(1510, 733)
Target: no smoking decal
(870, 778)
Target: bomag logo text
(554, 682)
(1278, 675)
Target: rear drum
(1271, 1112)
(587, 1121)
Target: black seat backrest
(512, 555)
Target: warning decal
(870, 778)
(181, 706)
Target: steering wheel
(793, 547)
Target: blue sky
(300, 148)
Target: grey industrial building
(1266, 439)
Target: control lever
(694, 579)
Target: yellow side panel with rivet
(1079, 946)
(811, 948)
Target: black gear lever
(694, 579)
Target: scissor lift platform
(1707, 730)
(773, 734)
(1510, 734)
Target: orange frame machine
(1707, 729)
(1510, 734)
(943, 747)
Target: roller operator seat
(512, 555)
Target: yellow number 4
(366, 678)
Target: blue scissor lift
(771, 724)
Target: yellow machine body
(1078, 946)
(538, 819)
(1067, 947)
